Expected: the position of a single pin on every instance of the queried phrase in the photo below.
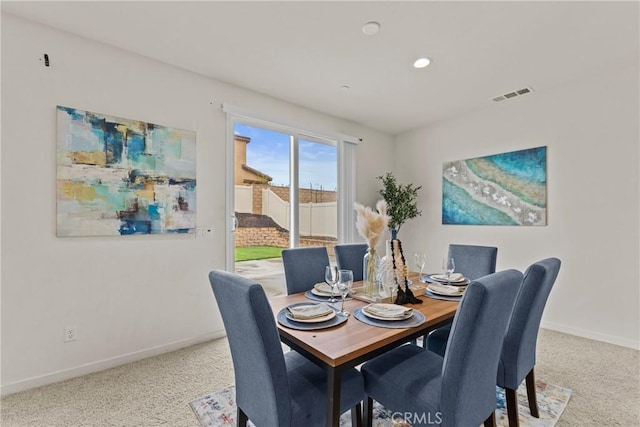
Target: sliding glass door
(317, 193)
(287, 183)
(286, 187)
(285, 195)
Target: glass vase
(386, 274)
(369, 265)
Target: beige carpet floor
(156, 392)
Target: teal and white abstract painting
(501, 189)
(118, 176)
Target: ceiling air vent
(513, 94)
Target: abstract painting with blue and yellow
(501, 189)
(118, 176)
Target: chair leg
(367, 412)
(241, 420)
(512, 407)
(491, 420)
(356, 415)
(531, 394)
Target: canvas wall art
(501, 189)
(118, 176)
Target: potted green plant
(402, 205)
(402, 202)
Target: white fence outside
(316, 219)
(243, 199)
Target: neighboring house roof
(264, 178)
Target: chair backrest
(519, 346)
(304, 267)
(349, 256)
(262, 385)
(473, 350)
(474, 261)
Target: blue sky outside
(268, 152)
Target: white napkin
(454, 291)
(322, 288)
(390, 311)
(455, 277)
(309, 311)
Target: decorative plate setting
(416, 319)
(314, 295)
(396, 312)
(446, 290)
(373, 316)
(328, 321)
(441, 278)
(328, 316)
(321, 293)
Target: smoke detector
(513, 94)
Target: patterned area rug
(219, 408)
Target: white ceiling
(303, 52)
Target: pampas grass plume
(370, 224)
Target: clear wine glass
(420, 260)
(345, 281)
(331, 279)
(449, 266)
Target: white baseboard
(101, 365)
(592, 335)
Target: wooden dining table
(353, 342)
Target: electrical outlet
(70, 333)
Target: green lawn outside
(257, 252)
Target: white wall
(591, 130)
(129, 297)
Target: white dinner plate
(329, 316)
(443, 278)
(373, 316)
(436, 291)
(322, 287)
(322, 294)
(431, 278)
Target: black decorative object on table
(405, 296)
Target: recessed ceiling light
(371, 28)
(421, 62)
(344, 88)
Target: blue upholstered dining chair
(349, 256)
(519, 347)
(273, 388)
(304, 267)
(473, 262)
(459, 389)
